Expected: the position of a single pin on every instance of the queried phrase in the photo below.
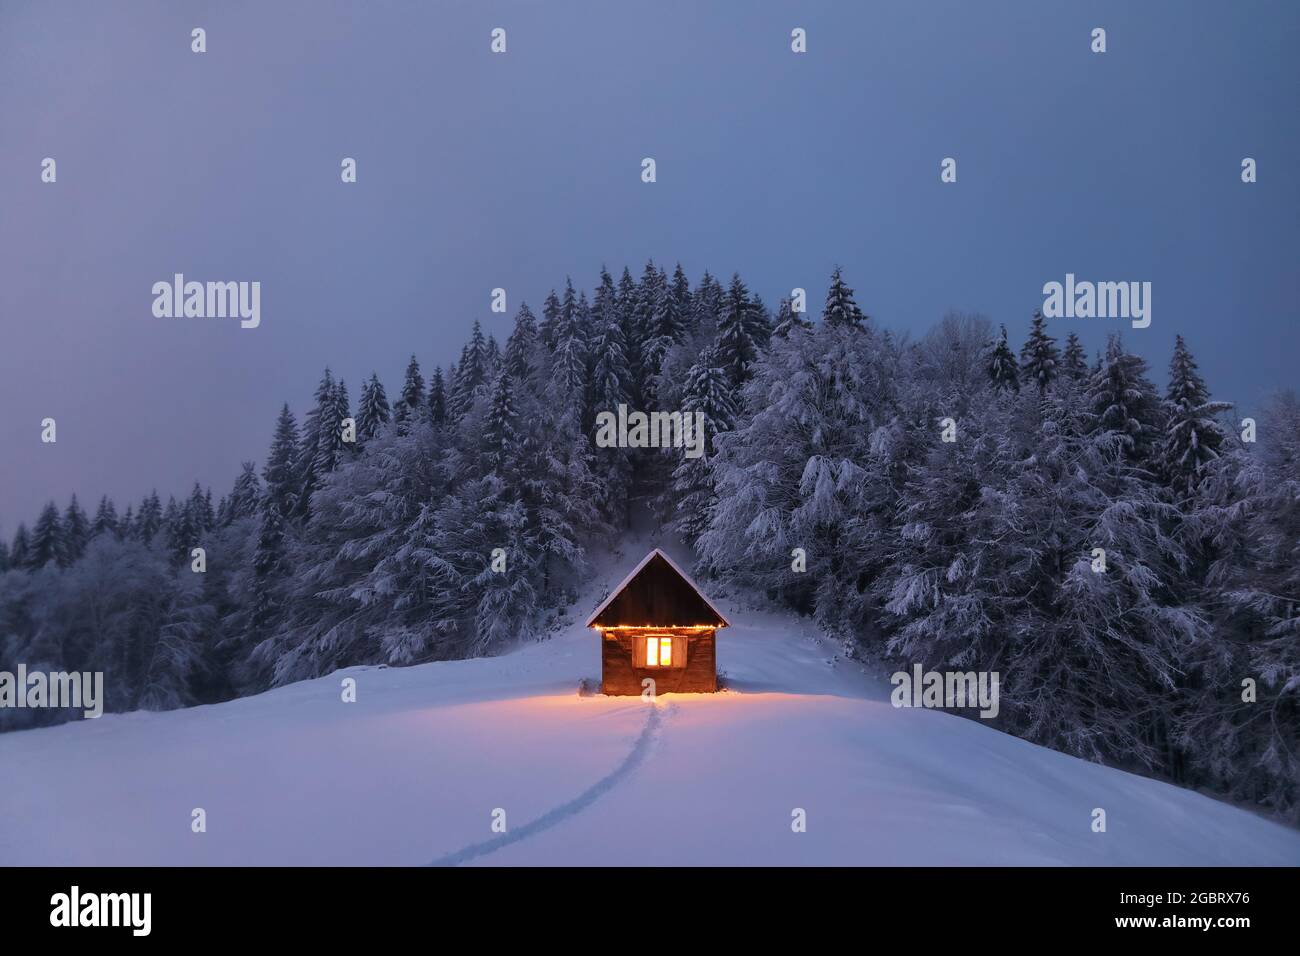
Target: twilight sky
(479, 170)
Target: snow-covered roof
(637, 570)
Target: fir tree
(245, 496)
(150, 518)
(707, 303)
(612, 379)
(1193, 437)
(741, 333)
(1123, 403)
(549, 328)
(840, 307)
(708, 390)
(200, 507)
(471, 373)
(1039, 358)
(76, 531)
(1002, 366)
(787, 320)
(500, 429)
(374, 412)
(48, 542)
(268, 569)
(311, 435)
(1073, 361)
(180, 526)
(279, 470)
(105, 519)
(437, 398)
(412, 398)
(329, 442)
(521, 346)
(568, 384)
(20, 552)
(680, 290)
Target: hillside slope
(413, 771)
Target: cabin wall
(620, 677)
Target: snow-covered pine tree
(706, 305)
(245, 496)
(787, 320)
(668, 325)
(1243, 738)
(268, 573)
(412, 396)
(373, 413)
(1039, 358)
(789, 476)
(610, 388)
(742, 333)
(707, 390)
(105, 518)
(1002, 366)
(1073, 361)
(199, 506)
(342, 412)
(683, 308)
(471, 373)
(1192, 436)
(567, 387)
(500, 442)
(329, 435)
(180, 527)
(150, 519)
(521, 348)
(311, 432)
(567, 313)
(48, 544)
(76, 530)
(840, 307)
(549, 327)
(437, 398)
(20, 552)
(174, 645)
(280, 469)
(1123, 402)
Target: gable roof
(657, 594)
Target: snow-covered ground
(412, 772)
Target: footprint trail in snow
(636, 756)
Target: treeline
(1123, 558)
(379, 550)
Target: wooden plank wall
(620, 677)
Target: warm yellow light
(658, 651)
(656, 627)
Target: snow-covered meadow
(412, 772)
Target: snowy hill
(412, 772)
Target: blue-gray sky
(479, 170)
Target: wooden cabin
(657, 624)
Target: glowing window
(658, 652)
